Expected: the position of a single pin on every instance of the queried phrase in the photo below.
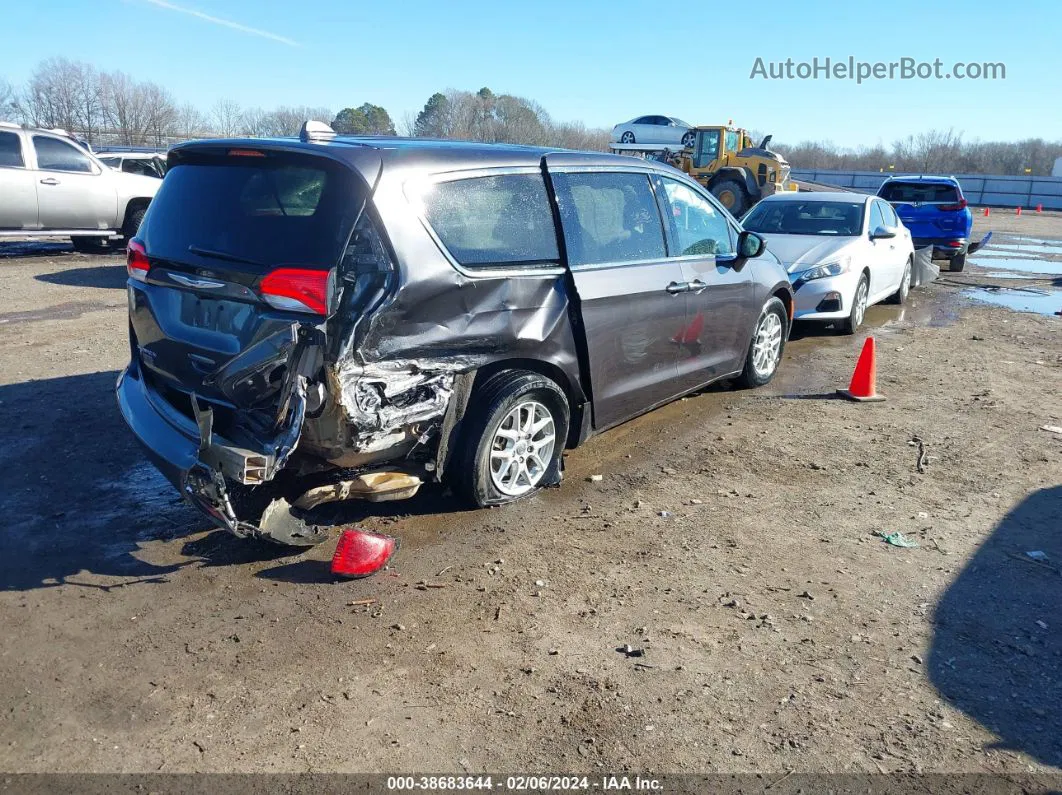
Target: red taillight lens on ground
(297, 290)
(136, 261)
(360, 553)
(960, 206)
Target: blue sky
(594, 61)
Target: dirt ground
(733, 539)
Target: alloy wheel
(767, 346)
(522, 448)
(860, 308)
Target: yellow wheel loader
(725, 161)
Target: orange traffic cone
(1019, 211)
(987, 213)
(1039, 209)
(863, 387)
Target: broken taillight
(297, 290)
(136, 260)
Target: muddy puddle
(1018, 265)
(1020, 299)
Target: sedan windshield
(836, 219)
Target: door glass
(889, 215)
(10, 151)
(56, 155)
(707, 148)
(609, 217)
(876, 218)
(497, 221)
(697, 227)
(732, 141)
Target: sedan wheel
(522, 449)
(687, 140)
(859, 306)
(627, 137)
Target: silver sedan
(653, 130)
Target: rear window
(280, 210)
(10, 150)
(493, 222)
(919, 192)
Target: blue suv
(935, 211)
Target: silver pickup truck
(51, 186)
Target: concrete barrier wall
(979, 189)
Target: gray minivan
(326, 318)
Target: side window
(56, 155)
(643, 120)
(889, 215)
(10, 151)
(492, 222)
(707, 148)
(609, 217)
(697, 227)
(876, 218)
(732, 141)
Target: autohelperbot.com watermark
(850, 68)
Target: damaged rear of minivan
(299, 334)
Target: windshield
(836, 219)
(291, 210)
(919, 192)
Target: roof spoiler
(316, 131)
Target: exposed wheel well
(787, 301)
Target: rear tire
(688, 139)
(90, 244)
(627, 138)
(133, 219)
(518, 424)
(900, 295)
(768, 343)
(731, 194)
(859, 306)
(958, 262)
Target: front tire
(514, 442)
(859, 306)
(731, 194)
(958, 262)
(768, 343)
(902, 291)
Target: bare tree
(127, 109)
(190, 122)
(226, 118)
(8, 101)
(162, 112)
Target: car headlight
(827, 269)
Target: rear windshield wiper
(223, 255)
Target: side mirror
(750, 245)
(882, 233)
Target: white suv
(50, 185)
